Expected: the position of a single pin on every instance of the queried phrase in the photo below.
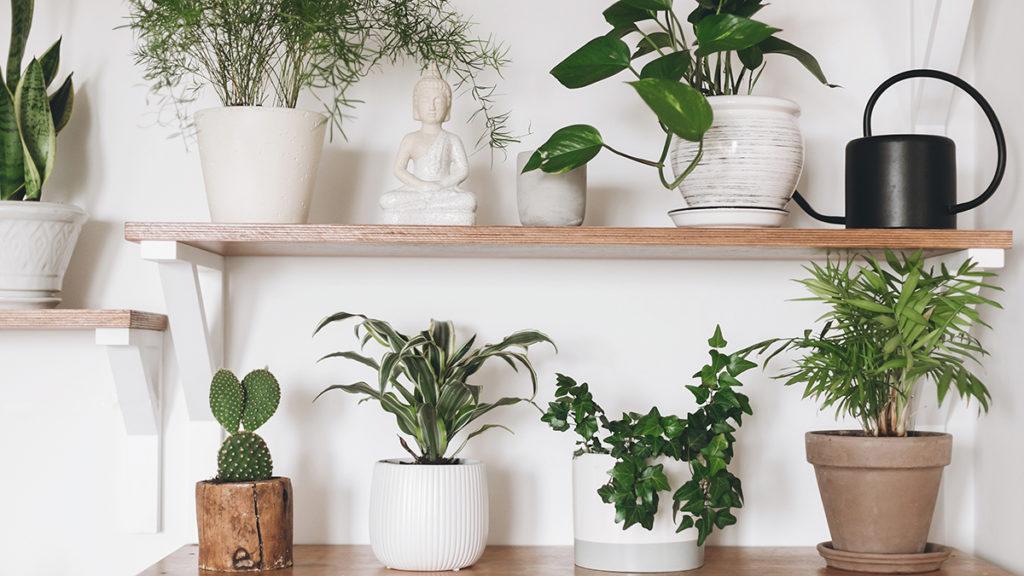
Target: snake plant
(30, 117)
(423, 380)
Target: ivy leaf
(700, 393)
(679, 107)
(717, 340)
(601, 58)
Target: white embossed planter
(260, 164)
(601, 544)
(550, 199)
(36, 243)
(428, 518)
(753, 155)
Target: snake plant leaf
(599, 59)
(567, 149)
(773, 45)
(724, 32)
(12, 152)
(679, 107)
(50, 61)
(37, 131)
(62, 102)
(21, 24)
(623, 14)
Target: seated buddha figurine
(430, 193)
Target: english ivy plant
(673, 73)
(704, 439)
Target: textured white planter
(36, 243)
(550, 199)
(753, 154)
(601, 544)
(260, 164)
(428, 518)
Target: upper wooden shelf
(583, 242)
(80, 320)
(557, 561)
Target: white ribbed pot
(753, 155)
(36, 243)
(427, 517)
(260, 164)
(601, 544)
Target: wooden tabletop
(557, 561)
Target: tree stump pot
(244, 526)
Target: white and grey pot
(428, 517)
(550, 199)
(601, 544)
(753, 155)
(36, 243)
(260, 164)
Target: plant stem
(634, 158)
(693, 165)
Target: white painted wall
(635, 330)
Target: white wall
(635, 330)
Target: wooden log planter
(244, 526)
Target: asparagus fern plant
(241, 408)
(423, 381)
(30, 116)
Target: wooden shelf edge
(67, 319)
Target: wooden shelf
(557, 561)
(520, 242)
(81, 320)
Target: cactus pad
(262, 396)
(227, 399)
(244, 457)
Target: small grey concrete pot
(550, 200)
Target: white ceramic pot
(36, 243)
(550, 199)
(428, 518)
(260, 164)
(753, 155)
(601, 544)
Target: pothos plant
(704, 439)
(423, 380)
(673, 70)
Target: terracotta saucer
(928, 561)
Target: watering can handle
(997, 128)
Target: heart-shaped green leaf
(671, 66)
(773, 45)
(601, 58)
(623, 14)
(651, 43)
(681, 108)
(724, 32)
(650, 4)
(567, 149)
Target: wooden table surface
(557, 561)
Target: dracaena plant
(423, 380)
(673, 69)
(704, 439)
(30, 116)
(889, 327)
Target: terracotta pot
(244, 526)
(879, 493)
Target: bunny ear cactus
(241, 408)
(30, 117)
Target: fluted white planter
(601, 544)
(550, 199)
(260, 164)
(428, 518)
(753, 155)
(36, 243)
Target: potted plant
(621, 467)
(38, 237)
(245, 513)
(889, 327)
(430, 512)
(729, 150)
(260, 151)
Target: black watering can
(907, 180)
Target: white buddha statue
(430, 193)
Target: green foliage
(677, 73)
(255, 52)
(889, 326)
(244, 456)
(423, 380)
(30, 117)
(704, 439)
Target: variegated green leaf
(37, 132)
(12, 152)
(62, 103)
(21, 24)
(50, 60)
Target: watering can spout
(806, 207)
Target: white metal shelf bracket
(135, 358)
(195, 314)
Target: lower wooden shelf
(557, 561)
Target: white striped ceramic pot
(427, 517)
(753, 155)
